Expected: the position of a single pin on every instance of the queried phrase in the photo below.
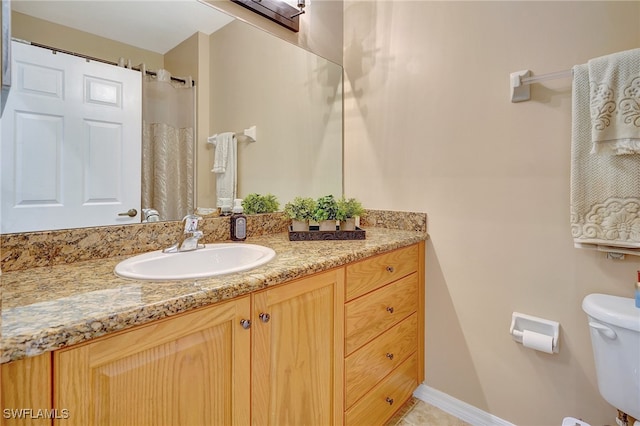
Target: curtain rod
(92, 58)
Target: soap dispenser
(238, 222)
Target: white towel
(220, 154)
(615, 103)
(225, 164)
(605, 189)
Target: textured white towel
(221, 153)
(225, 164)
(605, 189)
(615, 103)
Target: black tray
(314, 234)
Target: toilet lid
(614, 310)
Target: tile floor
(418, 413)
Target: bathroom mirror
(244, 77)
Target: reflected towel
(605, 189)
(221, 153)
(225, 164)
(615, 103)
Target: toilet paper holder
(521, 322)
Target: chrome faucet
(150, 215)
(190, 236)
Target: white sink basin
(212, 260)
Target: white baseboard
(455, 407)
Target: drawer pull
(389, 400)
(245, 323)
(264, 317)
(390, 356)
(390, 309)
(390, 269)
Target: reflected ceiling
(145, 24)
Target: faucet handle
(191, 223)
(192, 243)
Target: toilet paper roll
(537, 341)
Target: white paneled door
(71, 142)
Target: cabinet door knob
(245, 323)
(264, 317)
(389, 400)
(390, 309)
(390, 355)
(390, 269)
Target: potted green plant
(348, 210)
(300, 211)
(326, 213)
(256, 203)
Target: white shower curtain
(168, 120)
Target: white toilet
(615, 336)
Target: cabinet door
(192, 369)
(25, 392)
(297, 358)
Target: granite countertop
(48, 308)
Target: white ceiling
(156, 25)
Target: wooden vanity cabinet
(204, 368)
(192, 369)
(345, 346)
(297, 355)
(384, 334)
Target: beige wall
(205, 185)
(294, 99)
(429, 127)
(320, 26)
(183, 59)
(37, 30)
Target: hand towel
(615, 103)
(605, 189)
(225, 164)
(220, 154)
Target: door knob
(130, 213)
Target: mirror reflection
(244, 77)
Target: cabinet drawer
(372, 273)
(386, 398)
(371, 363)
(372, 314)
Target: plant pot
(327, 225)
(299, 225)
(349, 224)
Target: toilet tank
(614, 323)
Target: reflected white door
(71, 143)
